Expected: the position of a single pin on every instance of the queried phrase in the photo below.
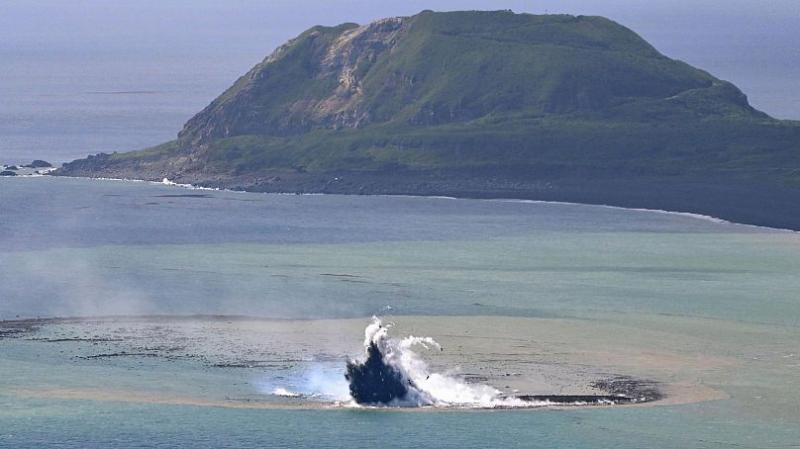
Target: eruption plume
(393, 374)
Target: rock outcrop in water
(38, 163)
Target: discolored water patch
(228, 358)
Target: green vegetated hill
(495, 95)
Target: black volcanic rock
(374, 381)
(38, 163)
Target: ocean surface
(223, 319)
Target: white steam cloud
(431, 388)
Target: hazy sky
(755, 44)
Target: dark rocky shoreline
(752, 202)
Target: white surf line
(696, 216)
(164, 182)
(638, 209)
(711, 218)
(693, 215)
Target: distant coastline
(576, 109)
(622, 195)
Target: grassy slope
(741, 149)
(559, 95)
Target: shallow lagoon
(554, 294)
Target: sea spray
(325, 382)
(283, 392)
(394, 374)
(318, 382)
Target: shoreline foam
(693, 215)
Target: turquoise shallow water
(676, 298)
(88, 424)
(79, 247)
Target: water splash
(283, 392)
(394, 374)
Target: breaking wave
(167, 182)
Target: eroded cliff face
(322, 69)
(348, 59)
(440, 68)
